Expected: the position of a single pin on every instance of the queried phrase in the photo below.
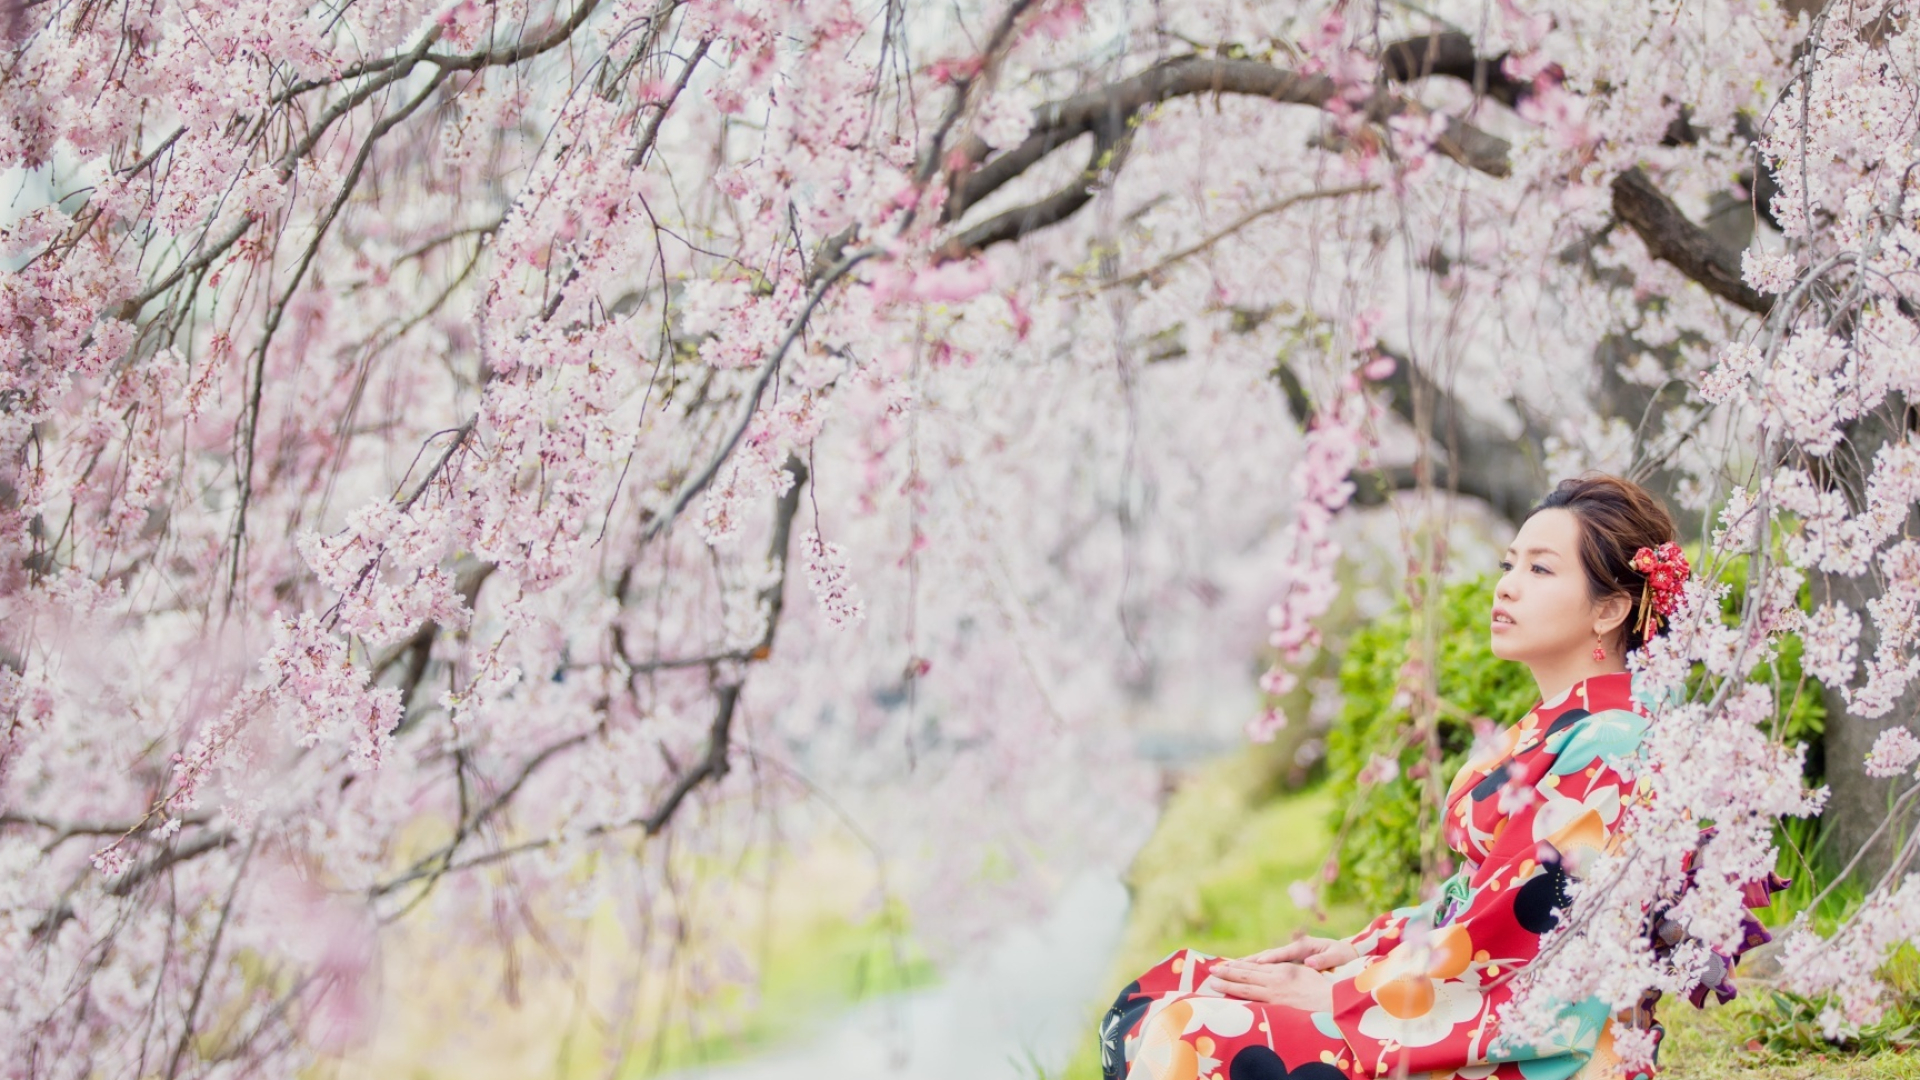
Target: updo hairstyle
(1617, 518)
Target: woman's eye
(1505, 566)
(1538, 569)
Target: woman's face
(1542, 610)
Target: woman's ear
(1611, 614)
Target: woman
(1416, 993)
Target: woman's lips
(1501, 619)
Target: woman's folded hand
(1274, 982)
(1318, 953)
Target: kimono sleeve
(1429, 1001)
(1386, 931)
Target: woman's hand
(1318, 953)
(1280, 983)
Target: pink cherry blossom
(1767, 272)
(1893, 752)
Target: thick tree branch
(172, 856)
(1108, 150)
(1480, 459)
(1667, 233)
(933, 156)
(1451, 53)
(1110, 107)
(124, 885)
(1467, 454)
(1681, 243)
(418, 649)
(67, 830)
(714, 764)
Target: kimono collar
(1586, 688)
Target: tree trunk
(1859, 802)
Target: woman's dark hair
(1617, 518)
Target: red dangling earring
(1599, 653)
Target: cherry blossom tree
(410, 412)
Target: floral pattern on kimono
(1535, 810)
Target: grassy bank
(1214, 876)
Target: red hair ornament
(1666, 570)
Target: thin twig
(699, 481)
(1239, 223)
(187, 1031)
(639, 155)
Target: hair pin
(1666, 570)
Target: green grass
(812, 973)
(1712, 1044)
(1214, 877)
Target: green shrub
(1380, 828)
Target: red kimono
(1427, 1007)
